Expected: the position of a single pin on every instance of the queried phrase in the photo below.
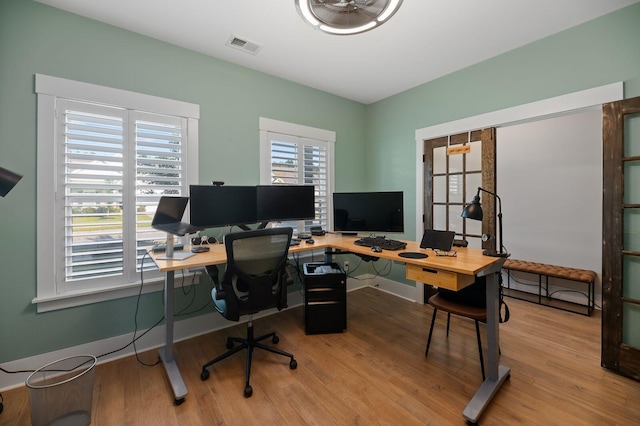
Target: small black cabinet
(325, 298)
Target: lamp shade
(8, 180)
(473, 210)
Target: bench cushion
(574, 274)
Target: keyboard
(382, 242)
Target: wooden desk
(453, 273)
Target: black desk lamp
(8, 180)
(473, 211)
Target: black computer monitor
(372, 212)
(216, 206)
(285, 202)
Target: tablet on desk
(440, 240)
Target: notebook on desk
(168, 217)
(439, 240)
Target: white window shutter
(105, 156)
(117, 165)
(92, 188)
(301, 161)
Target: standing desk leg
(166, 353)
(497, 373)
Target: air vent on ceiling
(243, 44)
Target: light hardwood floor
(374, 373)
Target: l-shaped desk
(453, 273)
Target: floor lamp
(8, 180)
(473, 211)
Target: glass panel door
(631, 233)
(621, 237)
(453, 172)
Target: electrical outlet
(346, 266)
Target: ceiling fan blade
(347, 13)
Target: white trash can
(61, 392)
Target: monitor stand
(169, 254)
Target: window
(105, 157)
(298, 155)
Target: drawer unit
(325, 298)
(439, 278)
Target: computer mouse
(376, 249)
(199, 249)
(309, 241)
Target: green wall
(38, 39)
(596, 53)
(599, 52)
(35, 38)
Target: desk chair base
(250, 343)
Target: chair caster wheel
(248, 391)
(229, 344)
(470, 423)
(204, 375)
(178, 401)
(293, 364)
(275, 340)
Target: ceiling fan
(344, 17)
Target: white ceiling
(424, 40)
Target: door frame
(534, 111)
(487, 139)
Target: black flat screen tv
(277, 203)
(217, 206)
(372, 212)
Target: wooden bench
(544, 270)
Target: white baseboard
(183, 330)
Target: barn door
(621, 237)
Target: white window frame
(326, 138)
(49, 89)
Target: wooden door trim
(615, 355)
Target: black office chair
(254, 280)
(469, 302)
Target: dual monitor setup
(215, 206)
(367, 212)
